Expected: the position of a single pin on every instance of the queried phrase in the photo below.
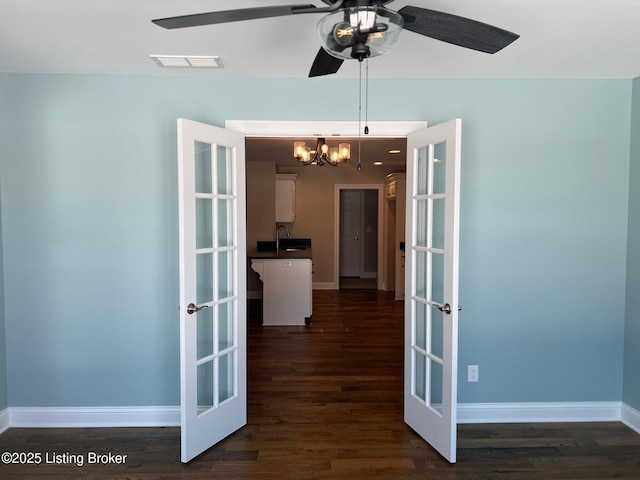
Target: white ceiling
(559, 39)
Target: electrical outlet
(473, 373)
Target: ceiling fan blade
(324, 64)
(225, 16)
(460, 31)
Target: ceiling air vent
(190, 61)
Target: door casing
(336, 230)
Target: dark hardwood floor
(349, 283)
(325, 402)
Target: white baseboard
(630, 417)
(523, 412)
(324, 286)
(60, 417)
(4, 420)
(169, 416)
(257, 294)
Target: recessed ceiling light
(377, 163)
(188, 61)
(395, 150)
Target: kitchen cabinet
(287, 290)
(286, 198)
(391, 185)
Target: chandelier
(322, 154)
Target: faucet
(278, 235)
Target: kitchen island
(286, 279)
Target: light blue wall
(631, 394)
(89, 212)
(4, 399)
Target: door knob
(355, 238)
(193, 308)
(446, 308)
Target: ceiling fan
(362, 29)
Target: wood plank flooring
(325, 402)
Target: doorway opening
(358, 234)
(430, 342)
(327, 272)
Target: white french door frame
(261, 128)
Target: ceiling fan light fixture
(360, 32)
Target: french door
(212, 285)
(431, 303)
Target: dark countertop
(289, 248)
(266, 255)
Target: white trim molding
(325, 286)
(169, 416)
(272, 128)
(4, 420)
(525, 412)
(630, 417)
(257, 294)
(62, 417)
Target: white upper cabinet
(286, 198)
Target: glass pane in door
(435, 385)
(204, 223)
(205, 333)
(205, 387)
(438, 167)
(420, 375)
(422, 219)
(437, 277)
(224, 275)
(226, 376)
(422, 171)
(225, 326)
(225, 225)
(204, 277)
(203, 170)
(421, 266)
(224, 178)
(437, 222)
(420, 334)
(436, 332)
